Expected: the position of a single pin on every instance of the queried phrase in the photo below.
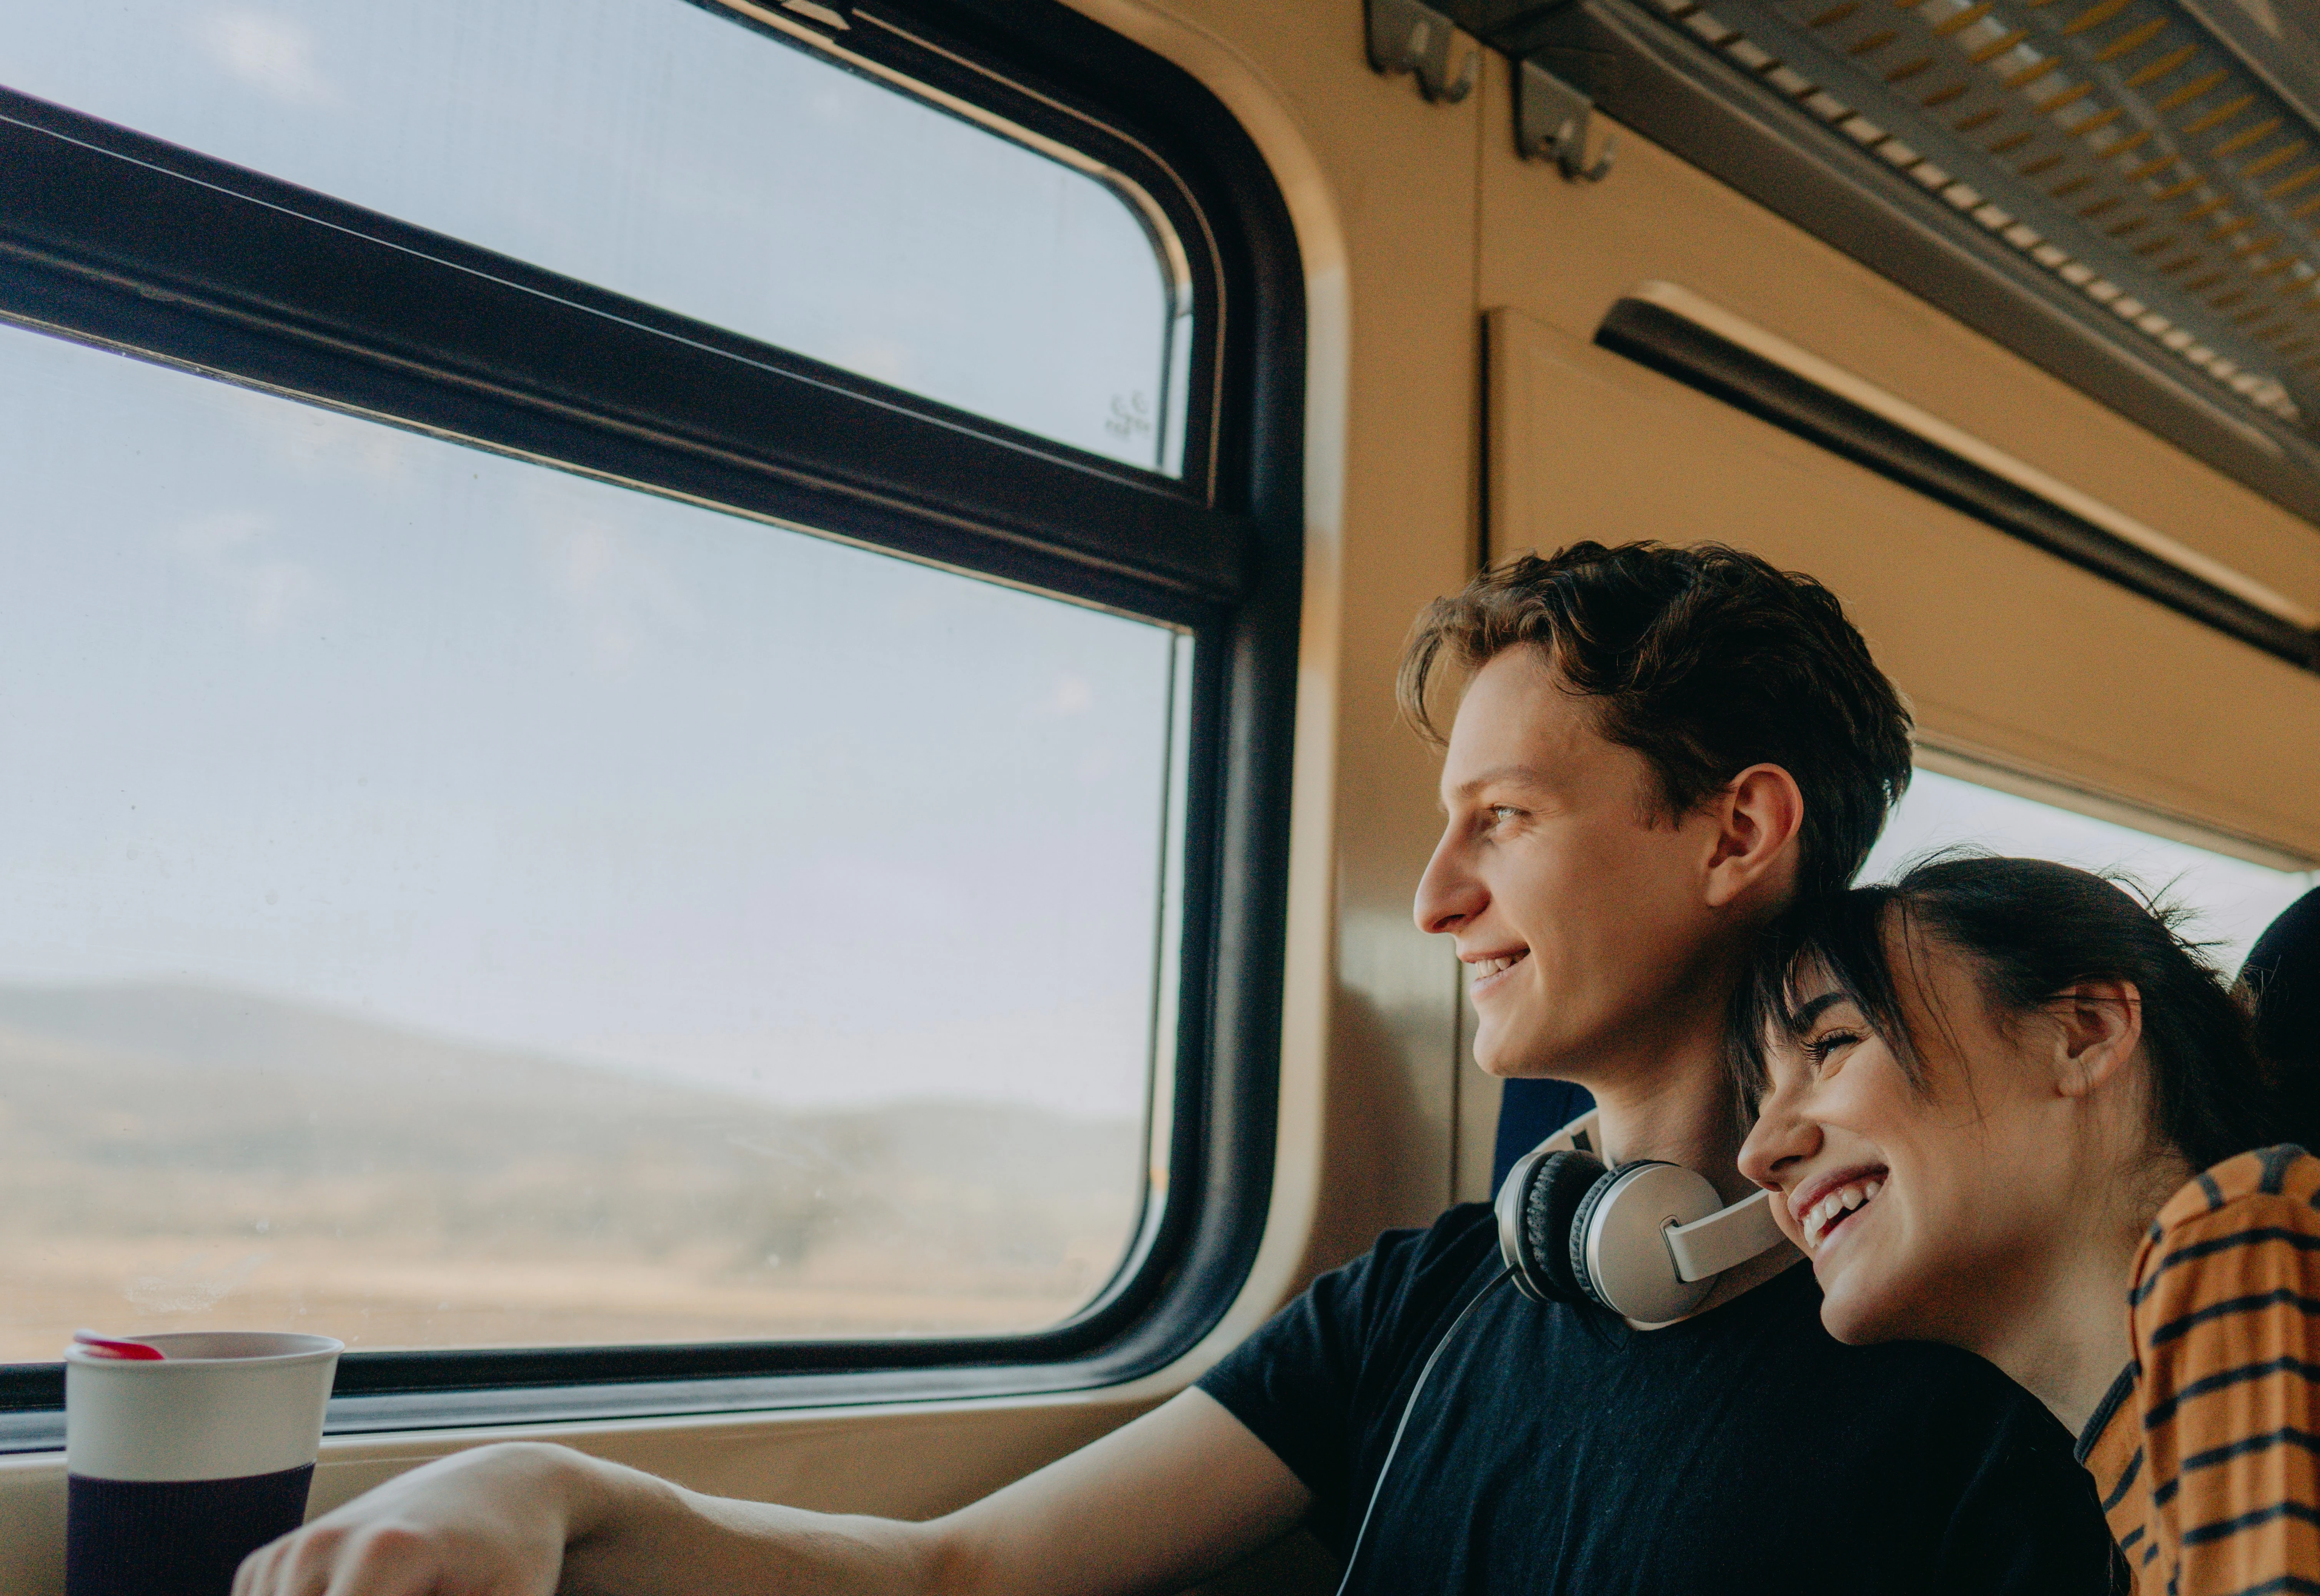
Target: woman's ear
(1758, 814)
(2099, 1026)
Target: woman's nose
(1779, 1137)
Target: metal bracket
(1409, 36)
(814, 11)
(1551, 119)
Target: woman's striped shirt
(2207, 1450)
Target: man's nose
(1448, 895)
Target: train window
(454, 902)
(670, 153)
(566, 833)
(2232, 897)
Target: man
(1655, 750)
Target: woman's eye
(1821, 1049)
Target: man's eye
(1502, 812)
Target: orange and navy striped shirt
(2207, 1449)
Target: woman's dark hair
(1704, 661)
(2030, 928)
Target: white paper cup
(178, 1468)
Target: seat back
(2282, 974)
(1529, 1111)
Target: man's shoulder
(1461, 1228)
(1442, 1254)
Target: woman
(2002, 1104)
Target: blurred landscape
(180, 1157)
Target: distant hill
(181, 1023)
(145, 1120)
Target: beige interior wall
(1564, 252)
(2005, 651)
(2008, 653)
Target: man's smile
(1489, 968)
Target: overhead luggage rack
(2115, 143)
(2141, 175)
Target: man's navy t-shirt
(1555, 1450)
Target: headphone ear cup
(1620, 1253)
(1574, 1241)
(1535, 1229)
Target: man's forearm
(1160, 1503)
(628, 1534)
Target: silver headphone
(1646, 1239)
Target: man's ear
(1758, 814)
(2098, 1028)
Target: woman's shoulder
(2265, 1204)
(2285, 1175)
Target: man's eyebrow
(1510, 775)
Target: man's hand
(491, 1522)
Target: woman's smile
(1823, 1206)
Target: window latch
(1409, 36)
(1551, 119)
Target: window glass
(2233, 899)
(450, 902)
(665, 151)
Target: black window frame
(114, 240)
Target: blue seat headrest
(2283, 976)
(1529, 1111)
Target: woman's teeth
(1484, 968)
(1824, 1215)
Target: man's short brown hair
(1704, 661)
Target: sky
(303, 704)
(306, 705)
(665, 151)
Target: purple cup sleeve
(174, 1538)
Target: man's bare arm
(1178, 1494)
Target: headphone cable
(1352, 1557)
